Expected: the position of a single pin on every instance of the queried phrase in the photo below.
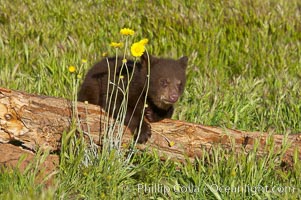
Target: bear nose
(173, 98)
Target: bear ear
(144, 59)
(183, 61)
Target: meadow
(244, 73)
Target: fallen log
(37, 122)
(11, 158)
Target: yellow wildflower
(124, 60)
(71, 69)
(137, 49)
(102, 195)
(104, 54)
(84, 61)
(127, 31)
(109, 177)
(233, 172)
(116, 44)
(144, 41)
(171, 143)
(124, 145)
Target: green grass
(244, 73)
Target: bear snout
(173, 98)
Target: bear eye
(179, 84)
(163, 82)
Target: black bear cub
(167, 81)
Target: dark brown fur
(167, 81)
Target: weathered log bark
(10, 158)
(33, 122)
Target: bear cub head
(167, 80)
